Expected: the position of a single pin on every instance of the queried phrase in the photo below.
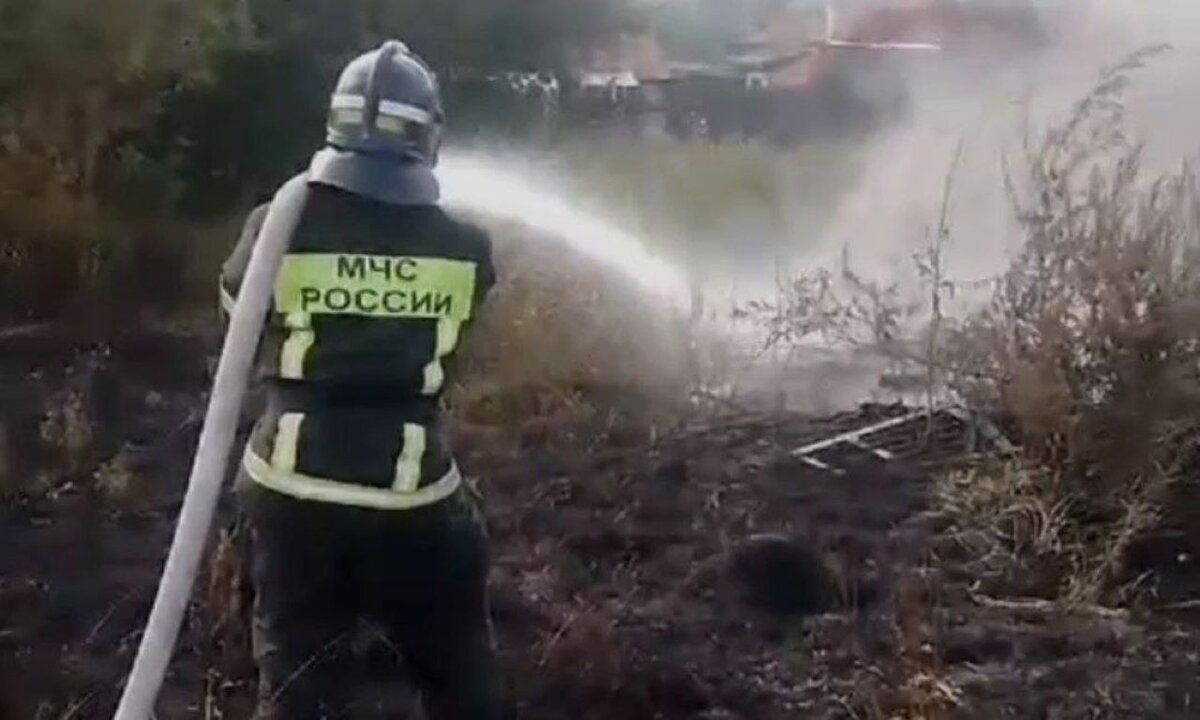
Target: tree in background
(119, 118)
(77, 77)
(236, 138)
(699, 30)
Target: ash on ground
(706, 572)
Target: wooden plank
(818, 464)
(854, 435)
(882, 454)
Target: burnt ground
(706, 574)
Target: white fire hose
(212, 454)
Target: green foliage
(80, 76)
(498, 34)
(118, 117)
(79, 79)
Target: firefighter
(356, 507)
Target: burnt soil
(704, 574)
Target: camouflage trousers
(419, 575)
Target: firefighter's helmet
(384, 128)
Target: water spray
(474, 184)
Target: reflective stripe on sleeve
(447, 340)
(287, 442)
(408, 463)
(316, 489)
(300, 339)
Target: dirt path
(707, 576)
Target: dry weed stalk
(1087, 349)
(926, 692)
(838, 309)
(931, 267)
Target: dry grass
(67, 430)
(1024, 530)
(68, 256)
(116, 481)
(74, 452)
(926, 690)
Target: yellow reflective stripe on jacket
(287, 442)
(375, 286)
(408, 463)
(316, 489)
(300, 339)
(447, 340)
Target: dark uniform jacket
(369, 307)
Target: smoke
(969, 117)
(977, 112)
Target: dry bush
(43, 246)
(842, 309)
(77, 88)
(1087, 350)
(67, 255)
(567, 346)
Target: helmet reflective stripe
(352, 102)
(386, 107)
(346, 110)
(392, 116)
(404, 111)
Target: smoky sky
(983, 108)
